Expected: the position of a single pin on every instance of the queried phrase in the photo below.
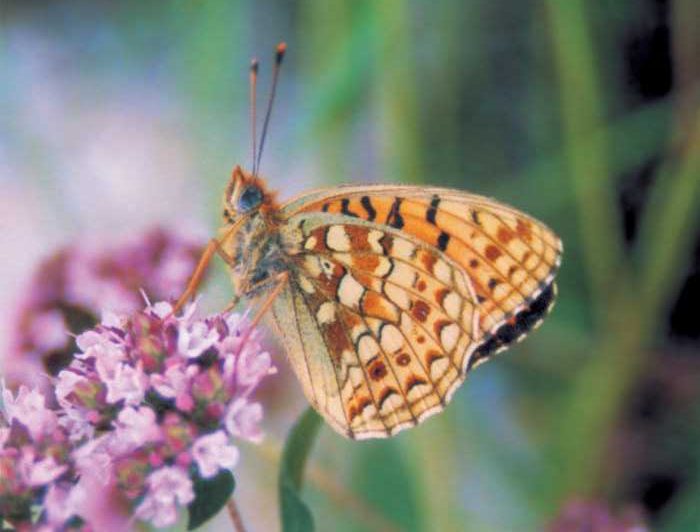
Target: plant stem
(326, 483)
(235, 516)
(586, 148)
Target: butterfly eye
(250, 198)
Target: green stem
(400, 137)
(294, 513)
(586, 147)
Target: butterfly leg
(280, 282)
(232, 305)
(213, 247)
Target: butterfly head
(245, 196)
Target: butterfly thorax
(256, 254)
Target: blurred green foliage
(527, 101)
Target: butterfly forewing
(508, 256)
(398, 291)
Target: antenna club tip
(254, 64)
(281, 49)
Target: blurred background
(116, 116)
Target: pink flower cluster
(150, 403)
(35, 461)
(69, 290)
(159, 400)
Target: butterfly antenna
(279, 56)
(253, 105)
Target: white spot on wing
(367, 348)
(443, 272)
(391, 339)
(452, 304)
(449, 336)
(310, 243)
(326, 313)
(402, 274)
(383, 267)
(312, 265)
(392, 404)
(373, 240)
(439, 367)
(337, 238)
(398, 296)
(403, 248)
(306, 285)
(350, 291)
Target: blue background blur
(117, 115)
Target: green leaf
(384, 476)
(210, 496)
(296, 516)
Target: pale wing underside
(396, 292)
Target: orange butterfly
(384, 296)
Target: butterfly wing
(396, 292)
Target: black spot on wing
(520, 325)
(394, 217)
(431, 213)
(443, 240)
(369, 209)
(344, 208)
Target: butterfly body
(386, 296)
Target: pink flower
(65, 384)
(95, 457)
(29, 409)
(135, 427)
(172, 382)
(63, 502)
(253, 366)
(40, 472)
(194, 339)
(243, 418)
(213, 452)
(167, 487)
(175, 384)
(126, 383)
(101, 348)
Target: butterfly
(384, 296)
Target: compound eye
(249, 199)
